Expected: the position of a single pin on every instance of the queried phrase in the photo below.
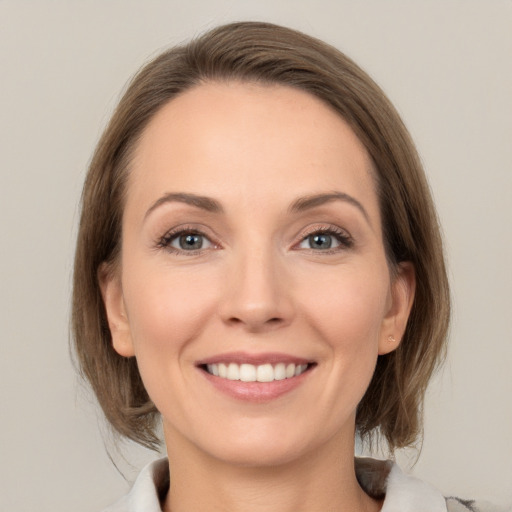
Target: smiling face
(253, 286)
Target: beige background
(447, 67)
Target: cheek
(165, 309)
(349, 309)
(349, 320)
(167, 312)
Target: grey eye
(190, 242)
(319, 241)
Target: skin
(259, 284)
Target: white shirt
(403, 493)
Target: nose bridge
(257, 293)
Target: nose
(258, 292)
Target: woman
(259, 263)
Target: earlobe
(112, 294)
(402, 297)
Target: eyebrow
(299, 205)
(308, 202)
(205, 203)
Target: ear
(112, 293)
(402, 297)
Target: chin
(261, 444)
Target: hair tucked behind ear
(265, 53)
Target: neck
(323, 480)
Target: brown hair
(266, 53)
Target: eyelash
(166, 241)
(341, 236)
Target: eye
(190, 242)
(185, 241)
(319, 241)
(326, 240)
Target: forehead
(251, 141)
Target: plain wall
(447, 67)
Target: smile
(256, 373)
(256, 378)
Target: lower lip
(257, 392)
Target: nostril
(254, 323)
(273, 320)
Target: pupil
(191, 242)
(321, 241)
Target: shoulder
(406, 493)
(148, 490)
(459, 505)
(401, 492)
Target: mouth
(247, 372)
(256, 378)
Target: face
(253, 287)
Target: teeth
(251, 373)
(280, 371)
(223, 370)
(247, 373)
(265, 373)
(233, 372)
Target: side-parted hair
(267, 54)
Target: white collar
(406, 493)
(403, 493)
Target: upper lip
(254, 359)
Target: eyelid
(164, 241)
(344, 238)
